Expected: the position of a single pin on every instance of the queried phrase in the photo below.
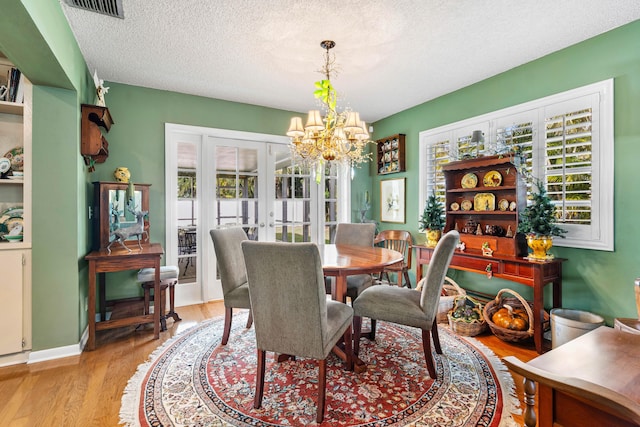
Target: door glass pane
(330, 202)
(292, 205)
(187, 213)
(236, 201)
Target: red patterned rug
(194, 381)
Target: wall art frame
(392, 200)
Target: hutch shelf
(483, 198)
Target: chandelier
(339, 137)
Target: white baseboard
(60, 352)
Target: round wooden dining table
(340, 261)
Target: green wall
(35, 36)
(597, 281)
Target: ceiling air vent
(106, 7)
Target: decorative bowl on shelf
(12, 239)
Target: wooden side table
(591, 380)
(101, 262)
(516, 269)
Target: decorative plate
(5, 165)
(455, 206)
(16, 155)
(512, 206)
(484, 202)
(466, 205)
(10, 223)
(11, 217)
(470, 180)
(503, 204)
(492, 179)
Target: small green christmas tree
(433, 215)
(539, 217)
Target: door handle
(262, 224)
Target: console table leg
(530, 401)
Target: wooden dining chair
(400, 241)
(227, 243)
(407, 306)
(291, 312)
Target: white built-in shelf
(11, 181)
(11, 108)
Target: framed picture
(392, 200)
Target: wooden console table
(589, 381)
(520, 270)
(101, 262)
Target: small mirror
(122, 211)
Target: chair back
(397, 240)
(288, 300)
(228, 248)
(434, 279)
(355, 234)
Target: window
(565, 140)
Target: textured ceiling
(391, 54)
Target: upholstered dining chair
(357, 234)
(290, 309)
(407, 306)
(397, 240)
(233, 274)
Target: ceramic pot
(432, 237)
(540, 246)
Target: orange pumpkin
(509, 318)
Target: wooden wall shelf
(391, 154)
(94, 145)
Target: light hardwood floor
(85, 390)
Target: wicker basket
(462, 326)
(450, 290)
(518, 302)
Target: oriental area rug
(192, 380)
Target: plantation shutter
(517, 133)
(570, 160)
(438, 154)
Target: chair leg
(163, 316)
(372, 334)
(436, 337)
(228, 314)
(348, 348)
(250, 320)
(385, 274)
(426, 346)
(357, 330)
(399, 279)
(172, 302)
(407, 279)
(257, 403)
(322, 389)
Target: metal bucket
(568, 324)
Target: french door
(218, 178)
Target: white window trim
(603, 185)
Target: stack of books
(15, 86)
